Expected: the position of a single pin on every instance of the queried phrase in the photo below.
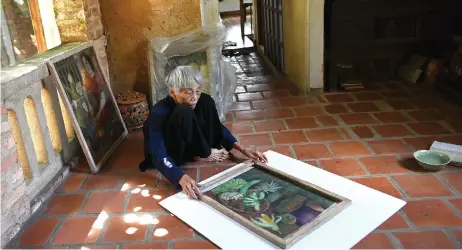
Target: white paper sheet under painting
(369, 209)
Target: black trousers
(194, 132)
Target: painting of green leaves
(277, 205)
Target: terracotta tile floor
(367, 136)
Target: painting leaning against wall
(90, 98)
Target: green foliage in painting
(231, 185)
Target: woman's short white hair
(183, 77)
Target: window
(27, 28)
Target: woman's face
(188, 96)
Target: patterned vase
(134, 109)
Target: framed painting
(278, 207)
(89, 100)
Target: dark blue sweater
(154, 146)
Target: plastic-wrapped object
(226, 89)
(200, 48)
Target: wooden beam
(37, 25)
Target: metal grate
(271, 13)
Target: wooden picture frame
(106, 105)
(340, 203)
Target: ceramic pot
(134, 109)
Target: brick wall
(14, 198)
(20, 28)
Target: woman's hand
(255, 155)
(190, 187)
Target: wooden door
(270, 12)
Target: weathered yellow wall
(130, 24)
(295, 41)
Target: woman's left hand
(255, 155)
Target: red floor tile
(276, 93)
(245, 97)
(295, 101)
(270, 125)
(95, 182)
(138, 179)
(335, 109)
(301, 123)
(207, 172)
(240, 106)
(426, 115)
(289, 137)
(454, 179)
(80, 230)
(65, 204)
(381, 184)
(312, 151)
(458, 235)
(389, 147)
(363, 107)
(391, 117)
(256, 140)
(250, 115)
(38, 233)
(425, 240)
(170, 227)
(124, 228)
(392, 130)
(384, 165)
(309, 111)
(240, 128)
(343, 167)
(363, 132)
(374, 241)
(240, 89)
(279, 113)
(428, 128)
(323, 135)
(146, 200)
(265, 104)
(422, 186)
(346, 133)
(327, 121)
(420, 142)
(457, 203)
(400, 104)
(358, 119)
(257, 87)
(94, 246)
(456, 125)
(394, 222)
(339, 98)
(194, 245)
(350, 148)
(396, 94)
(368, 96)
(431, 213)
(156, 245)
(73, 182)
(285, 150)
(110, 202)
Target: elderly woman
(185, 126)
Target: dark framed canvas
(90, 101)
(275, 205)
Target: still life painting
(92, 103)
(283, 208)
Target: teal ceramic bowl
(431, 160)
